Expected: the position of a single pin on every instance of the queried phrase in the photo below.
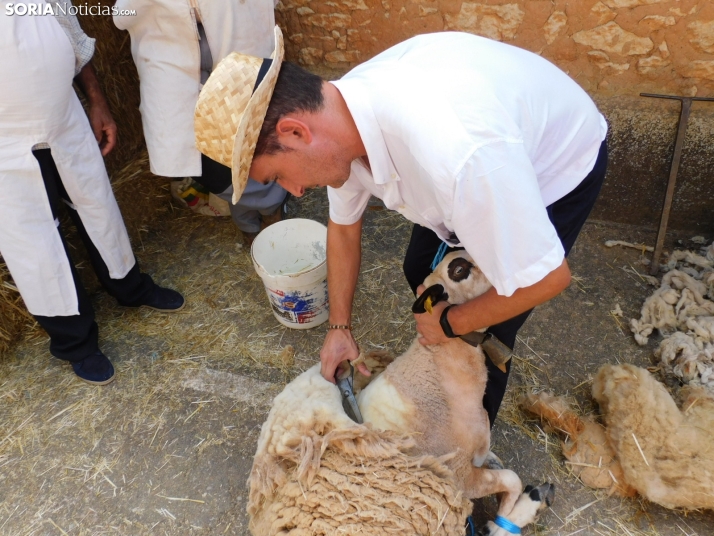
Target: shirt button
(394, 175)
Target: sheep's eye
(459, 269)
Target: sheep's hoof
(544, 494)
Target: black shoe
(95, 369)
(164, 299)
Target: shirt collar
(382, 167)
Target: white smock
(165, 48)
(39, 105)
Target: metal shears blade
(345, 382)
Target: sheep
(436, 393)
(317, 472)
(648, 445)
(422, 453)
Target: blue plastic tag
(506, 525)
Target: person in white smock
(175, 45)
(482, 145)
(50, 153)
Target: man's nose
(297, 191)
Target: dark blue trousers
(74, 337)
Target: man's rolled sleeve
(82, 44)
(348, 203)
(497, 193)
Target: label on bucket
(300, 306)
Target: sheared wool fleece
(584, 442)
(682, 310)
(648, 444)
(666, 454)
(316, 472)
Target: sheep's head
(461, 278)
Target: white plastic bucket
(290, 258)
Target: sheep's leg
(481, 482)
(526, 509)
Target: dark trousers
(215, 176)
(567, 215)
(73, 338)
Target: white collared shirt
(473, 139)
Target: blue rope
(470, 529)
(506, 525)
(439, 255)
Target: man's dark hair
(296, 90)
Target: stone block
(499, 22)
(553, 26)
(699, 69)
(602, 60)
(329, 22)
(603, 13)
(617, 4)
(657, 22)
(342, 56)
(612, 38)
(354, 5)
(310, 56)
(663, 49)
(424, 11)
(651, 65)
(701, 35)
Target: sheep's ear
(459, 269)
(435, 292)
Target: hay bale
(14, 318)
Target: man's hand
(339, 346)
(344, 250)
(100, 118)
(103, 126)
(428, 326)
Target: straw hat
(231, 109)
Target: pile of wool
(647, 444)
(682, 310)
(316, 472)
(584, 442)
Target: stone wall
(608, 46)
(615, 49)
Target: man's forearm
(100, 118)
(490, 308)
(344, 254)
(89, 84)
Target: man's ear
(293, 132)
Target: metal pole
(674, 168)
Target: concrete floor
(167, 448)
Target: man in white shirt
(482, 145)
